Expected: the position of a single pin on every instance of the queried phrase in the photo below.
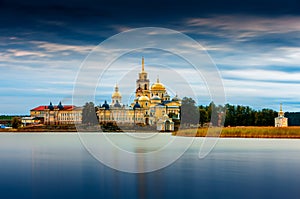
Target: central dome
(158, 86)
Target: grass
(243, 132)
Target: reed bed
(243, 132)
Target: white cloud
(262, 75)
(246, 26)
(55, 47)
(21, 53)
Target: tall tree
(89, 115)
(189, 112)
(203, 115)
(15, 122)
(213, 114)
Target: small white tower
(281, 121)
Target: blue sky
(254, 44)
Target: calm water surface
(58, 166)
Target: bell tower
(142, 83)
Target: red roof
(42, 108)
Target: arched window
(145, 86)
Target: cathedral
(152, 106)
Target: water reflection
(141, 177)
(57, 166)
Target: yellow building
(121, 115)
(151, 104)
(30, 121)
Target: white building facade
(281, 121)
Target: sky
(255, 46)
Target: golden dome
(158, 86)
(143, 98)
(116, 94)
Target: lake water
(59, 166)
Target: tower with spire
(142, 83)
(281, 121)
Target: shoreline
(226, 132)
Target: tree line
(230, 115)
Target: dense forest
(234, 115)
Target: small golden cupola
(116, 97)
(280, 113)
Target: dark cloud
(78, 20)
(117, 8)
(138, 11)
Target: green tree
(230, 115)
(203, 115)
(89, 115)
(213, 114)
(189, 112)
(15, 122)
(268, 117)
